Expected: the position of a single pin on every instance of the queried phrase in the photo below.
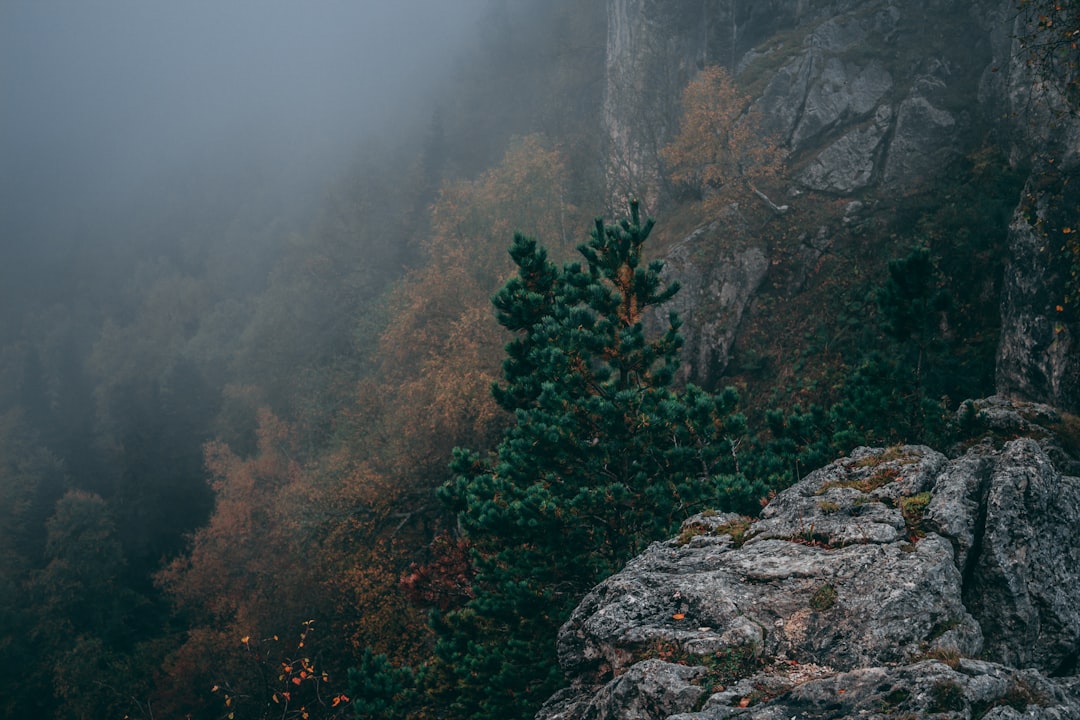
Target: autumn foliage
(721, 149)
(324, 533)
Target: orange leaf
(296, 681)
(678, 616)
(745, 702)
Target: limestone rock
(841, 91)
(1038, 358)
(924, 689)
(818, 89)
(849, 163)
(868, 588)
(924, 141)
(719, 272)
(1025, 568)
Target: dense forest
(355, 446)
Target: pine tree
(603, 457)
(890, 394)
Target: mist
(104, 103)
(234, 236)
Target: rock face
(893, 583)
(875, 97)
(1037, 355)
(855, 116)
(654, 47)
(719, 270)
(1038, 358)
(862, 92)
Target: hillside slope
(944, 125)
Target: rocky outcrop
(893, 583)
(654, 47)
(849, 163)
(719, 269)
(855, 114)
(876, 97)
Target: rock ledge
(892, 583)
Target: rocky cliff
(897, 582)
(872, 100)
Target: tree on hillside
(81, 620)
(439, 352)
(896, 392)
(603, 456)
(721, 149)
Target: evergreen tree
(603, 457)
(891, 394)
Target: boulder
(925, 139)
(842, 91)
(894, 581)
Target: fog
(103, 101)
